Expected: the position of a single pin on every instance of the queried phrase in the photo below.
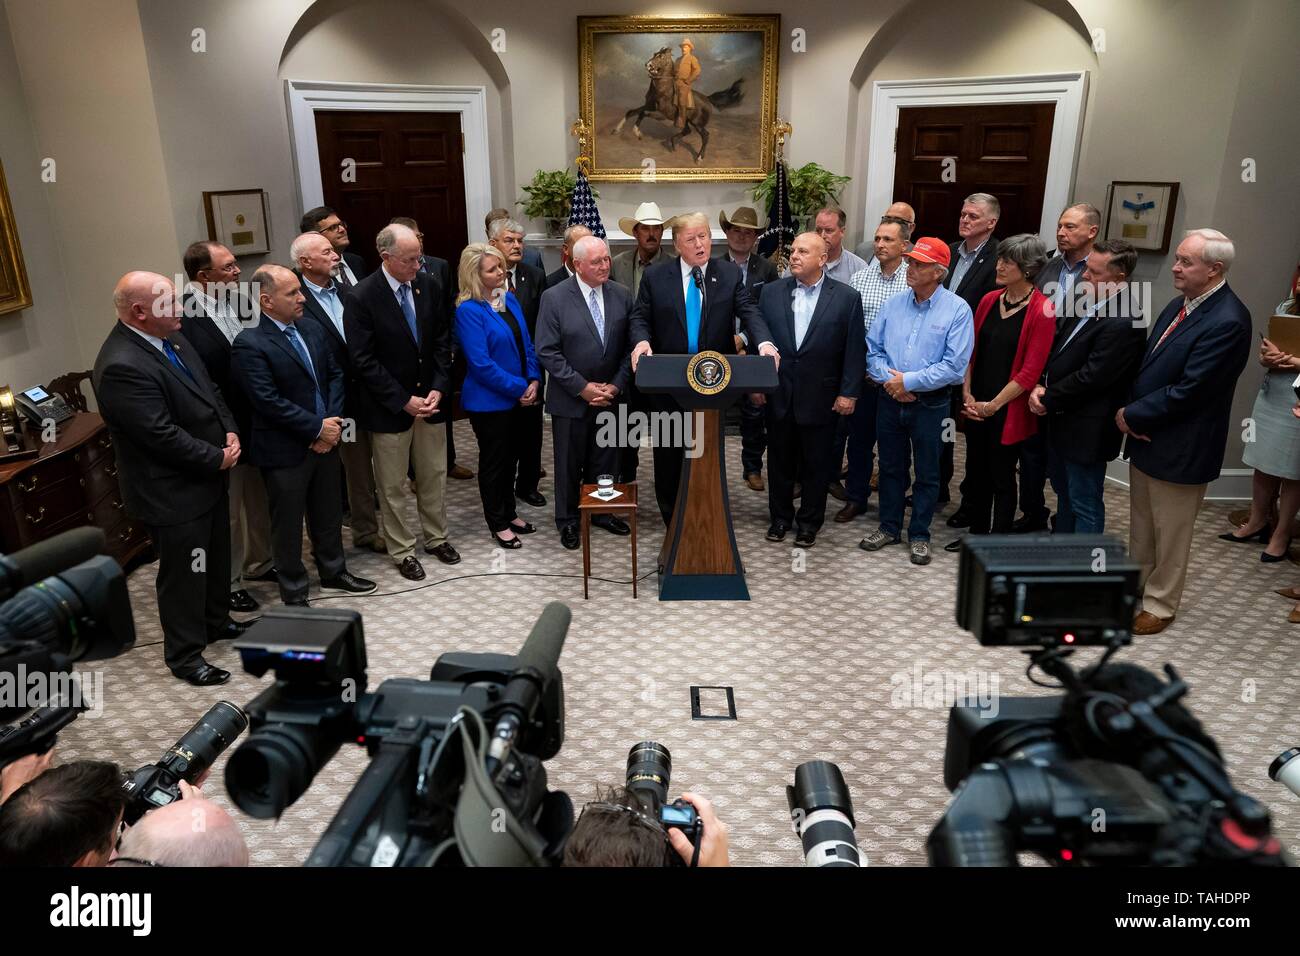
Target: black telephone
(39, 406)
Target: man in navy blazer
(817, 325)
(295, 389)
(689, 305)
(582, 343)
(1177, 417)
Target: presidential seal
(708, 372)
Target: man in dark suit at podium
(582, 343)
(689, 305)
(175, 441)
(296, 390)
(817, 324)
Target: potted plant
(811, 187)
(548, 198)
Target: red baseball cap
(930, 249)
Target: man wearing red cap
(917, 348)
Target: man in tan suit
(688, 71)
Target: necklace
(1006, 300)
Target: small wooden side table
(624, 506)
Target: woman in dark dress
(1014, 327)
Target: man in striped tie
(1177, 419)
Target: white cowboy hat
(647, 214)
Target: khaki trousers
(1162, 517)
(250, 525)
(360, 476)
(424, 448)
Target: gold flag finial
(782, 129)
(583, 132)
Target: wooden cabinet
(71, 483)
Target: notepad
(1284, 332)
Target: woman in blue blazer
(501, 380)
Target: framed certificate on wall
(1141, 213)
(237, 218)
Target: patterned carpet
(817, 658)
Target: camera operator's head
(189, 832)
(620, 829)
(68, 816)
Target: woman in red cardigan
(1014, 327)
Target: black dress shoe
(270, 576)
(205, 675)
(510, 544)
(953, 546)
(1262, 536)
(569, 537)
(411, 569)
(233, 629)
(777, 532)
(534, 498)
(297, 602)
(805, 539)
(610, 523)
(960, 518)
(526, 528)
(1024, 525)
(346, 581)
(444, 553)
(243, 602)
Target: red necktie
(1182, 314)
(510, 277)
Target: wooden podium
(699, 560)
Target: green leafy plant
(548, 194)
(811, 187)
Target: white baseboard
(1233, 484)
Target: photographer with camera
(192, 831)
(620, 830)
(66, 816)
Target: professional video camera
(62, 602)
(158, 784)
(1116, 770)
(456, 771)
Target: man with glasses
(213, 310)
(351, 268)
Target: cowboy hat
(744, 217)
(647, 214)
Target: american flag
(774, 242)
(582, 207)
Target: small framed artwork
(1141, 213)
(15, 292)
(237, 218)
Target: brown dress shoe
(1291, 594)
(851, 511)
(1294, 616)
(1148, 623)
(755, 482)
(459, 472)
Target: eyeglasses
(334, 228)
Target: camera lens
(275, 766)
(649, 768)
(823, 815)
(83, 613)
(205, 741)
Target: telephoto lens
(649, 768)
(158, 784)
(823, 815)
(1286, 770)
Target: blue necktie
(693, 311)
(176, 360)
(301, 348)
(408, 309)
(334, 306)
(597, 315)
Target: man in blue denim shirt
(917, 348)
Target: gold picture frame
(627, 69)
(15, 290)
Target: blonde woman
(501, 380)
